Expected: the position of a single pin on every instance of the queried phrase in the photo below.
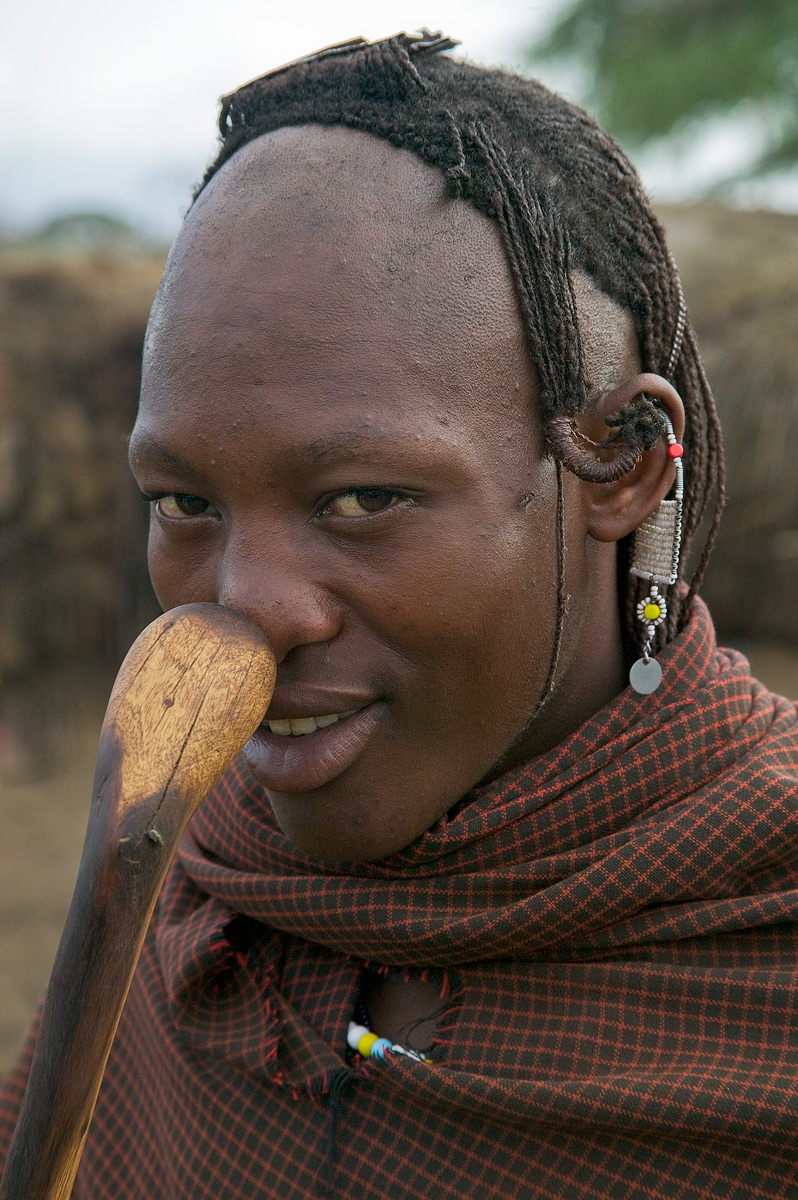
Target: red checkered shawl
(615, 931)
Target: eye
(177, 506)
(361, 502)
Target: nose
(278, 593)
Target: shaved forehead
(353, 203)
(313, 220)
(336, 205)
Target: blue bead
(379, 1048)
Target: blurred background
(110, 117)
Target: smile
(283, 758)
(300, 726)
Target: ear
(614, 510)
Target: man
(418, 371)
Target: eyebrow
(347, 441)
(146, 445)
(344, 443)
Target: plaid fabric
(614, 929)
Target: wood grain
(192, 690)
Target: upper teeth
(302, 725)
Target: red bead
(675, 450)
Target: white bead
(354, 1033)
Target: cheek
(179, 575)
(511, 642)
(480, 632)
(479, 668)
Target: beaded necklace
(361, 1037)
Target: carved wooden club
(191, 691)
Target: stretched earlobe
(618, 505)
(626, 405)
(607, 441)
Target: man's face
(338, 415)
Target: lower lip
(282, 763)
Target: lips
(283, 763)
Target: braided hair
(564, 197)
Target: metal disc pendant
(645, 676)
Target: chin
(333, 824)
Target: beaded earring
(657, 546)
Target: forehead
(353, 200)
(316, 241)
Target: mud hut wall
(72, 580)
(740, 275)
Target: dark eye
(360, 502)
(178, 505)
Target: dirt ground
(43, 820)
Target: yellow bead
(651, 612)
(365, 1044)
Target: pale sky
(111, 106)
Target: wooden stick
(192, 690)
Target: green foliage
(656, 65)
